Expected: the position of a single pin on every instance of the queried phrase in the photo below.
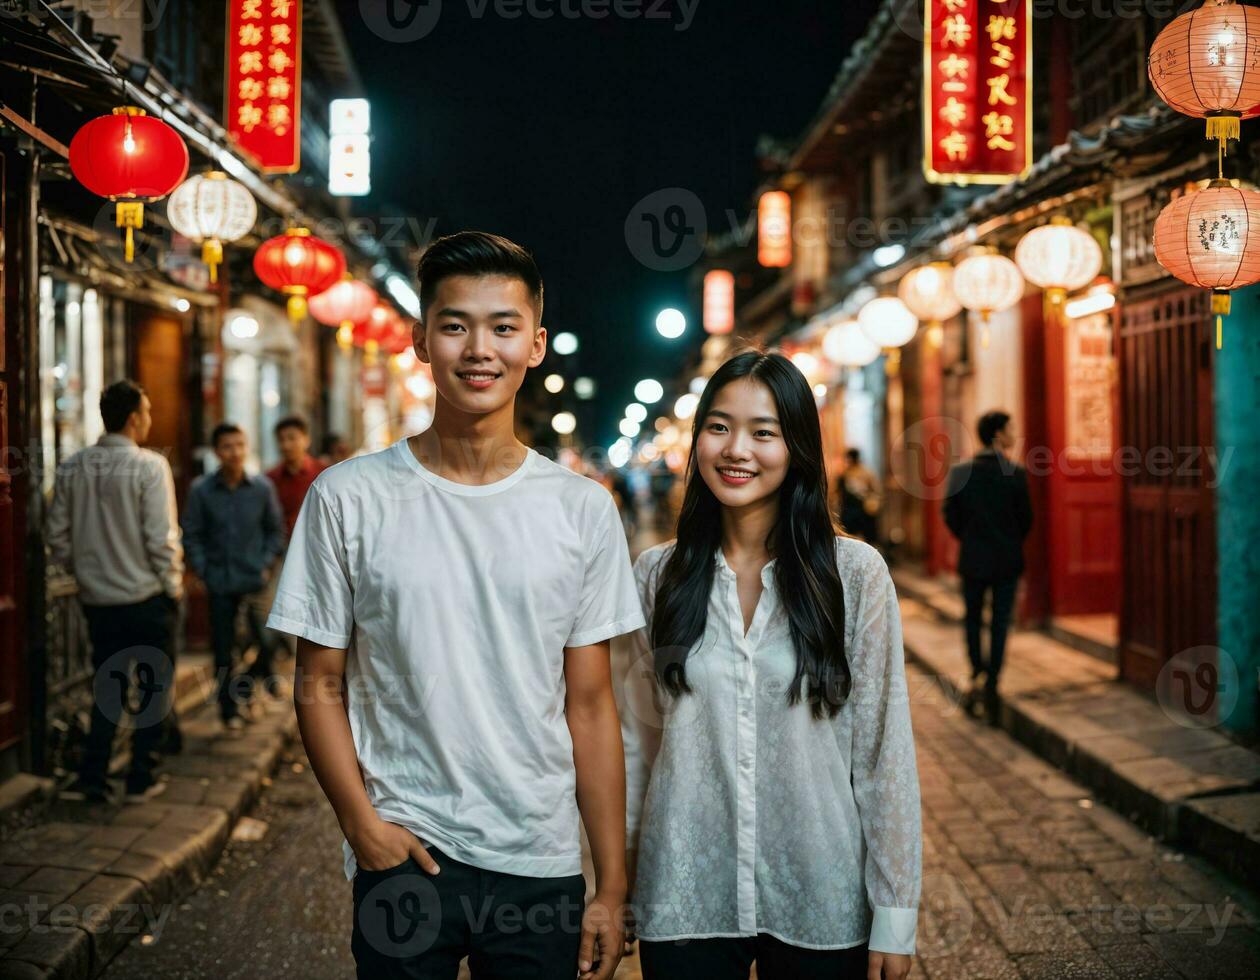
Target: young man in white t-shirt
(454, 597)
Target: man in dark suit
(987, 508)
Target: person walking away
(112, 524)
(988, 509)
(233, 533)
(859, 498)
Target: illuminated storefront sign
(977, 90)
(349, 154)
(263, 86)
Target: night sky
(549, 131)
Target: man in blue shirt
(233, 533)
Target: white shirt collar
(724, 568)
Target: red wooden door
(12, 668)
(1083, 495)
(1169, 513)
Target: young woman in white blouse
(773, 797)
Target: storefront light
(1098, 301)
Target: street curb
(1214, 826)
(147, 856)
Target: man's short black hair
(118, 401)
(852, 455)
(224, 429)
(477, 253)
(292, 422)
(990, 424)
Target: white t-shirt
(455, 603)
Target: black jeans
(974, 591)
(730, 959)
(138, 636)
(413, 925)
(223, 609)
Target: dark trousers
(224, 607)
(138, 638)
(974, 592)
(730, 959)
(413, 925)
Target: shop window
(71, 372)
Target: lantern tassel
(1225, 126)
(129, 215)
(297, 308)
(212, 255)
(1221, 307)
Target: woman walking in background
(773, 802)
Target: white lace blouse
(752, 816)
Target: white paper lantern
(211, 208)
(1059, 257)
(847, 346)
(928, 291)
(988, 283)
(888, 322)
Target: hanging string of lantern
(129, 158)
(889, 324)
(1211, 239)
(1059, 257)
(1203, 64)
(928, 293)
(212, 209)
(987, 283)
(373, 331)
(299, 265)
(343, 305)
(846, 345)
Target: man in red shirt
(292, 477)
(297, 468)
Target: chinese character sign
(977, 90)
(264, 81)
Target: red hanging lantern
(1211, 239)
(1204, 64)
(131, 159)
(299, 265)
(343, 305)
(373, 331)
(398, 339)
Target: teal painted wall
(1237, 404)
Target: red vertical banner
(977, 91)
(263, 87)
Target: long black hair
(802, 541)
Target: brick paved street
(1023, 878)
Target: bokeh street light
(564, 343)
(685, 407)
(629, 428)
(584, 388)
(554, 383)
(671, 324)
(636, 412)
(649, 391)
(564, 422)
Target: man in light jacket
(113, 524)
